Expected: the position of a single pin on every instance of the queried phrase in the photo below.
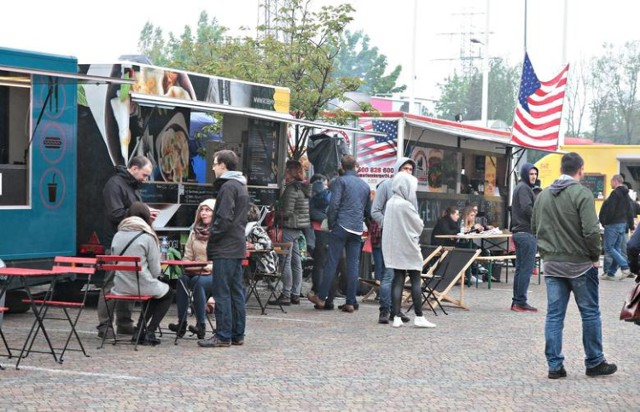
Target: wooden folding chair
(431, 255)
(79, 266)
(130, 265)
(449, 270)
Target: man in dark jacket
(617, 218)
(564, 221)
(523, 238)
(350, 204)
(227, 248)
(120, 191)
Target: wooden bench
(505, 258)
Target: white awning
(82, 78)
(468, 132)
(170, 103)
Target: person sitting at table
(196, 250)
(468, 225)
(135, 237)
(446, 225)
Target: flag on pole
(536, 124)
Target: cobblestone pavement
(485, 359)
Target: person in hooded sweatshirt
(565, 223)
(294, 215)
(523, 238)
(378, 207)
(616, 216)
(226, 249)
(401, 246)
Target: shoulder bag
(631, 308)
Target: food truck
(601, 162)
(66, 125)
(456, 163)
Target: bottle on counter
(164, 248)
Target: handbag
(631, 308)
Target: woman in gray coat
(401, 248)
(135, 237)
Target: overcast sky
(100, 32)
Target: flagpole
(563, 127)
(525, 26)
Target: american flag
(378, 150)
(536, 123)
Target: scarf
(135, 223)
(201, 231)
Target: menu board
(261, 152)
(594, 182)
(195, 194)
(263, 196)
(159, 192)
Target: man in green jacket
(566, 227)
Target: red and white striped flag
(536, 124)
(378, 151)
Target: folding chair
(282, 250)
(6, 345)
(446, 273)
(79, 266)
(131, 265)
(431, 254)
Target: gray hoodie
(384, 192)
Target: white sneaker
(422, 322)
(474, 280)
(624, 273)
(397, 321)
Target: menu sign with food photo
(261, 150)
(435, 178)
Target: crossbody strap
(130, 242)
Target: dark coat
(350, 202)
(617, 208)
(444, 226)
(120, 191)
(522, 202)
(294, 205)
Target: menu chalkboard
(159, 192)
(195, 194)
(261, 150)
(594, 182)
(263, 196)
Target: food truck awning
(168, 102)
(82, 78)
(459, 129)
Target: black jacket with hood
(617, 208)
(522, 202)
(120, 191)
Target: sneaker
(295, 299)
(199, 330)
(397, 322)
(125, 329)
(315, 299)
(106, 331)
(355, 306)
(475, 279)
(607, 277)
(179, 331)
(625, 272)
(602, 369)
(327, 306)
(237, 342)
(280, 301)
(557, 374)
(422, 322)
(383, 318)
(523, 308)
(214, 342)
(150, 339)
(405, 318)
(347, 308)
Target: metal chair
(131, 265)
(6, 345)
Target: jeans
(201, 287)
(385, 277)
(585, 293)
(340, 240)
(525, 263)
(416, 290)
(614, 235)
(122, 308)
(292, 274)
(228, 292)
(319, 258)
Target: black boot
(199, 330)
(180, 331)
(151, 339)
(138, 332)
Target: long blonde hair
(466, 214)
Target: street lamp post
(484, 108)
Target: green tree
(356, 58)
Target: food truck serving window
(15, 101)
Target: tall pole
(412, 86)
(484, 109)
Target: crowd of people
(335, 213)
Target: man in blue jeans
(565, 224)
(227, 248)
(350, 204)
(616, 216)
(523, 238)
